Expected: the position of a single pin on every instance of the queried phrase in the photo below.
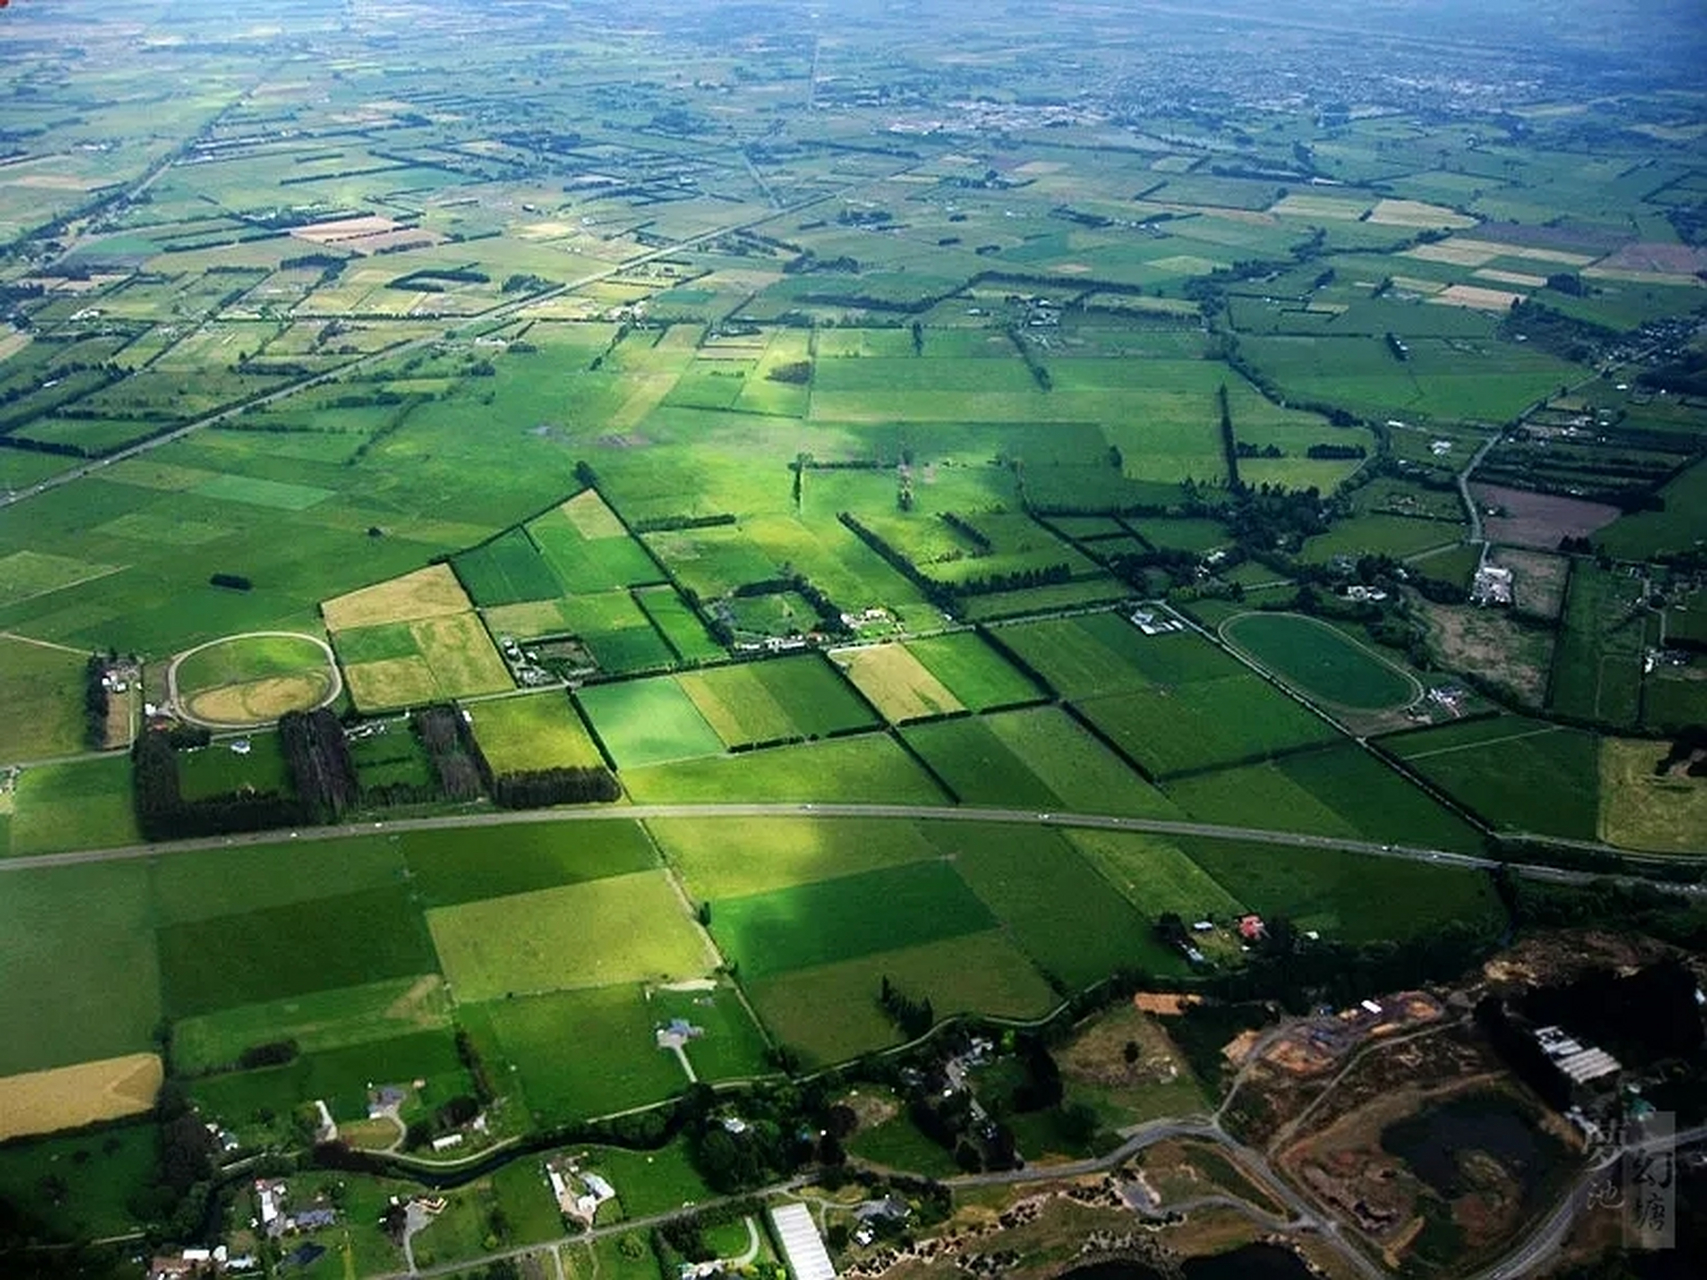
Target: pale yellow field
(396, 682)
(1460, 253)
(1532, 252)
(1469, 295)
(1510, 277)
(1416, 284)
(432, 592)
(589, 514)
(258, 701)
(461, 655)
(66, 1097)
(1640, 811)
(1300, 206)
(13, 342)
(1415, 213)
(897, 683)
(648, 393)
(528, 620)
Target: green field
(1520, 775)
(1065, 915)
(291, 950)
(770, 701)
(537, 731)
(647, 722)
(868, 767)
(730, 1046)
(42, 690)
(1083, 773)
(973, 671)
(822, 921)
(737, 857)
(977, 765)
(1205, 723)
(831, 1013)
(565, 1076)
(623, 928)
(449, 867)
(1321, 661)
(507, 570)
(100, 1173)
(77, 948)
(316, 1021)
(1349, 897)
(216, 770)
(1155, 875)
(83, 805)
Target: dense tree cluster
(318, 757)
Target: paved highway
(708, 812)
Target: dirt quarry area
(1315, 1044)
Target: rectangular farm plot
(1082, 656)
(775, 700)
(275, 494)
(1521, 775)
(736, 857)
(291, 950)
(1068, 918)
(1204, 724)
(619, 929)
(462, 657)
(830, 1013)
(1154, 875)
(870, 767)
(897, 683)
(585, 1053)
(589, 551)
(537, 731)
(448, 867)
(86, 804)
(680, 626)
(829, 920)
(644, 722)
(507, 570)
(977, 765)
(973, 672)
(433, 592)
(1083, 773)
(24, 574)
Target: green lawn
(823, 921)
(82, 805)
(618, 929)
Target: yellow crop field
(258, 701)
(394, 682)
(897, 683)
(66, 1097)
(462, 657)
(432, 592)
(1640, 811)
(588, 513)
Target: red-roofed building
(1252, 929)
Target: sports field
(253, 679)
(1321, 660)
(626, 928)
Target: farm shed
(802, 1246)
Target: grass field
(831, 1013)
(1347, 896)
(260, 702)
(290, 950)
(822, 921)
(1322, 661)
(41, 688)
(870, 767)
(507, 570)
(588, 548)
(427, 593)
(973, 672)
(679, 625)
(730, 1046)
(566, 1076)
(216, 769)
(100, 1173)
(1640, 811)
(77, 948)
(450, 867)
(896, 682)
(978, 766)
(1205, 723)
(74, 1096)
(778, 699)
(737, 857)
(1154, 875)
(643, 722)
(317, 1021)
(624, 928)
(83, 805)
(245, 659)
(1519, 775)
(448, 655)
(1083, 773)
(539, 731)
(1065, 915)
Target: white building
(802, 1247)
